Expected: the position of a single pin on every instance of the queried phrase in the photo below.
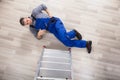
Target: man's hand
(40, 34)
(39, 37)
(48, 13)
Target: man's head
(25, 21)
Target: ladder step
(55, 73)
(47, 78)
(54, 59)
(53, 50)
(55, 65)
(58, 54)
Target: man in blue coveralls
(55, 26)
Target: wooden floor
(96, 20)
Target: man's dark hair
(21, 21)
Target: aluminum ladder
(54, 65)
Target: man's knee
(67, 43)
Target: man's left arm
(41, 8)
(40, 34)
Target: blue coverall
(57, 28)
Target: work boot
(78, 35)
(89, 46)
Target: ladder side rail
(39, 64)
(71, 63)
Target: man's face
(27, 21)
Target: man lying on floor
(42, 22)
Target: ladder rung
(55, 73)
(57, 54)
(56, 65)
(54, 69)
(54, 59)
(56, 62)
(53, 50)
(48, 78)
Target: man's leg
(71, 34)
(78, 35)
(62, 36)
(74, 33)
